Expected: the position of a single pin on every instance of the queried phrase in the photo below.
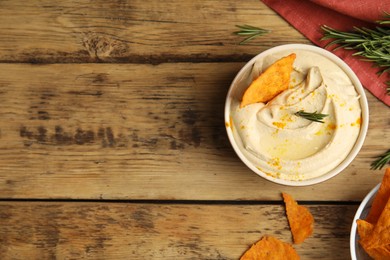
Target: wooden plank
(135, 31)
(53, 230)
(141, 132)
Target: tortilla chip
(374, 232)
(377, 242)
(300, 219)
(380, 253)
(270, 248)
(380, 199)
(274, 80)
(364, 228)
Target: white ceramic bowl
(236, 94)
(357, 252)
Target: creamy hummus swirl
(290, 147)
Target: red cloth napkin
(308, 17)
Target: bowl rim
(352, 241)
(362, 100)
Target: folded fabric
(308, 17)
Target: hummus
(290, 147)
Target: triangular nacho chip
(377, 242)
(274, 80)
(364, 228)
(270, 248)
(300, 219)
(380, 199)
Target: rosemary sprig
(316, 117)
(371, 44)
(381, 161)
(250, 32)
(386, 15)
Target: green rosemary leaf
(316, 117)
(381, 161)
(250, 31)
(386, 16)
(372, 45)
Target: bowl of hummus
(278, 144)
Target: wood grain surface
(113, 142)
(147, 231)
(127, 131)
(135, 31)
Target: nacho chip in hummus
(274, 80)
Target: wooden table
(113, 142)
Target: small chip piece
(274, 80)
(380, 199)
(300, 219)
(270, 248)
